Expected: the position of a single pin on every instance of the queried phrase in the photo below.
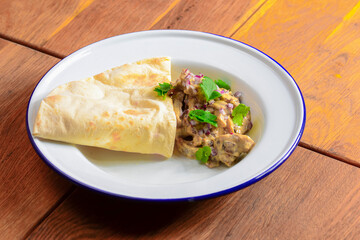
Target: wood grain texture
(215, 16)
(318, 42)
(73, 24)
(309, 197)
(103, 19)
(61, 27)
(35, 21)
(219, 17)
(28, 188)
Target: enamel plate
(277, 108)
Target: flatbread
(117, 109)
(143, 73)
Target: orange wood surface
(28, 189)
(309, 197)
(78, 22)
(61, 27)
(319, 44)
(219, 17)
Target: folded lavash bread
(117, 109)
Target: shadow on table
(107, 216)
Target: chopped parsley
(208, 86)
(203, 116)
(163, 89)
(222, 84)
(203, 154)
(239, 113)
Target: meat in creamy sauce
(228, 141)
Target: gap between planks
(61, 56)
(246, 20)
(32, 46)
(161, 16)
(329, 154)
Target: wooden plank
(216, 16)
(309, 197)
(74, 24)
(219, 17)
(103, 19)
(35, 21)
(82, 22)
(318, 42)
(28, 188)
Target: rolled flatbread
(117, 109)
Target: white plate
(277, 107)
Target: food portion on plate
(116, 110)
(211, 120)
(137, 108)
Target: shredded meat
(232, 147)
(186, 148)
(227, 141)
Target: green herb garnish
(239, 113)
(209, 87)
(222, 84)
(163, 89)
(203, 154)
(203, 116)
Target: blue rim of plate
(201, 197)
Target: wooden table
(315, 194)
